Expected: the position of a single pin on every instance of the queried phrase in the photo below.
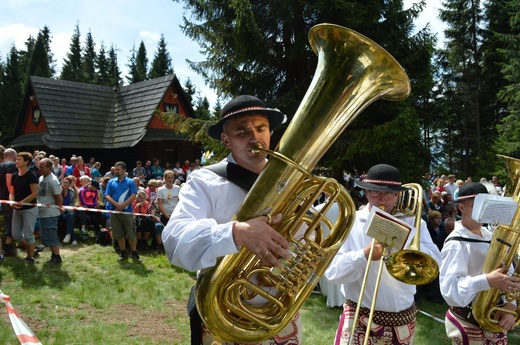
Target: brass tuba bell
(352, 72)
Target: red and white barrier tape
(24, 334)
(74, 208)
(431, 316)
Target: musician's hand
(261, 239)
(376, 254)
(498, 279)
(505, 320)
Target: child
(89, 197)
(143, 223)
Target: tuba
(503, 249)
(352, 73)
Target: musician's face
(382, 200)
(240, 133)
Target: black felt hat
(246, 104)
(382, 178)
(470, 190)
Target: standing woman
(56, 168)
(24, 188)
(81, 169)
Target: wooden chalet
(110, 124)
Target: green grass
(94, 299)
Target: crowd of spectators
(83, 185)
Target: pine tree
(162, 62)
(72, 64)
(88, 60)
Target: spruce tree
(39, 61)
(116, 80)
(472, 108)
(72, 64)
(190, 90)
(46, 35)
(138, 65)
(261, 48)
(162, 62)
(88, 60)
(104, 75)
(202, 110)
(12, 93)
(508, 138)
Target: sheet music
(387, 229)
(490, 209)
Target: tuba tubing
(352, 73)
(503, 250)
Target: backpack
(104, 237)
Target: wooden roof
(79, 115)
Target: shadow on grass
(38, 275)
(137, 267)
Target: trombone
(410, 266)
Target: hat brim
(379, 188)
(274, 116)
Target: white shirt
(170, 197)
(200, 229)
(349, 265)
(461, 276)
(451, 188)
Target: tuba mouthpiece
(256, 148)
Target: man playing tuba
(461, 277)
(200, 229)
(394, 315)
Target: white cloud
(60, 46)
(125, 23)
(15, 34)
(430, 15)
(150, 36)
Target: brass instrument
(352, 73)
(502, 251)
(410, 266)
(420, 268)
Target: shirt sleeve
(457, 286)
(347, 266)
(199, 230)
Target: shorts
(49, 231)
(123, 225)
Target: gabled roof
(94, 116)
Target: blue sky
(123, 23)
